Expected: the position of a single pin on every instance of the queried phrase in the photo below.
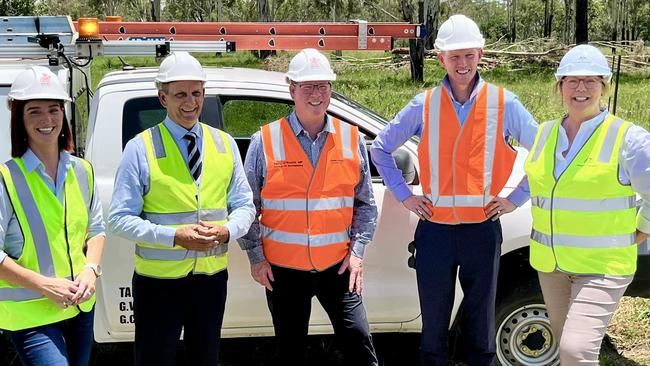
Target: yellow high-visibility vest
(174, 200)
(584, 221)
(54, 237)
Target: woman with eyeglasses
(585, 171)
(51, 230)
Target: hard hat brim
(311, 78)
(559, 76)
(460, 46)
(182, 78)
(45, 96)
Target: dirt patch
(629, 330)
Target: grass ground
(383, 83)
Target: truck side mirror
(405, 163)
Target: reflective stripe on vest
(174, 200)
(578, 204)
(580, 241)
(307, 211)
(20, 294)
(186, 218)
(34, 220)
(458, 180)
(584, 221)
(178, 255)
(304, 239)
(312, 205)
(22, 308)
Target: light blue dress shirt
(634, 161)
(364, 216)
(11, 237)
(518, 123)
(132, 183)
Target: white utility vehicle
(238, 101)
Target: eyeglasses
(591, 83)
(308, 89)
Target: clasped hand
(201, 237)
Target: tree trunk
(265, 16)
(568, 17)
(582, 28)
(432, 11)
(548, 18)
(512, 20)
(613, 16)
(416, 46)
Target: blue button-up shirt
(132, 183)
(364, 216)
(518, 123)
(633, 162)
(11, 237)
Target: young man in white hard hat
(465, 160)
(181, 194)
(311, 185)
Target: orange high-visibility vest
(307, 211)
(463, 168)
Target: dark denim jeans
(63, 343)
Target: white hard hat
(179, 66)
(310, 65)
(458, 33)
(584, 60)
(37, 82)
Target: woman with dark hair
(51, 229)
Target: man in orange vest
(312, 187)
(465, 160)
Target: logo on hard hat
(45, 79)
(582, 59)
(314, 63)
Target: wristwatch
(97, 269)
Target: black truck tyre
(523, 331)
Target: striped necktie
(193, 156)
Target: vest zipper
(67, 241)
(311, 261)
(557, 138)
(557, 267)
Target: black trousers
(163, 307)
(472, 250)
(290, 306)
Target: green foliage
(387, 90)
(17, 7)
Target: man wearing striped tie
(181, 194)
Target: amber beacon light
(88, 27)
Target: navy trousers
(472, 251)
(164, 307)
(290, 306)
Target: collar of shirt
(177, 131)
(586, 129)
(32, 162)
(472, 96)
(298, 129)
